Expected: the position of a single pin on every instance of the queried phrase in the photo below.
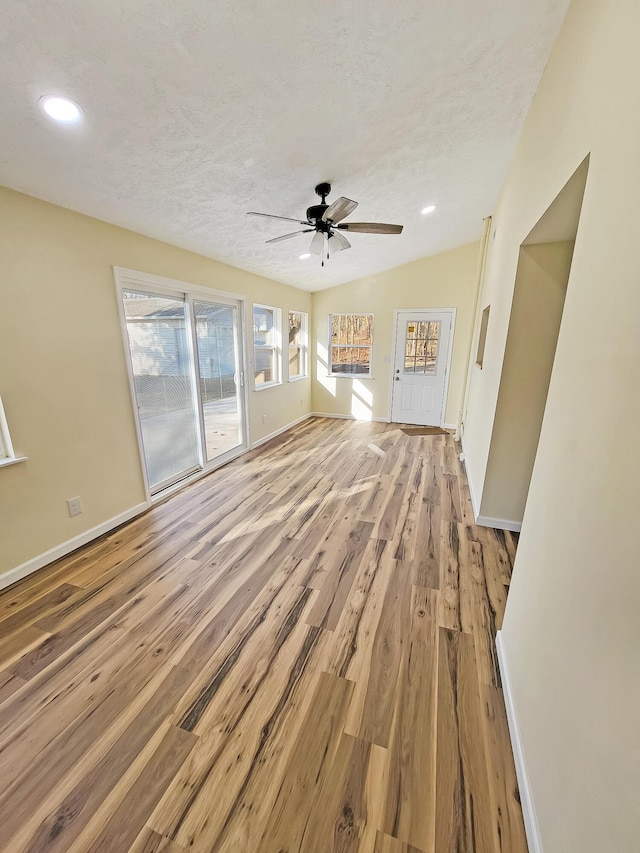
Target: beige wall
(446, 280)
(571, 632)
(63, 375)
(541, 285)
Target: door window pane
(216, 344)
(421, 347)
(160, 360)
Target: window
(421, 346)
(351, 339)
(298, 347)
(266, 345)
(484, 324)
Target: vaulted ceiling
(198, 111)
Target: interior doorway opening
(542, 277)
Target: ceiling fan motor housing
(315, 212)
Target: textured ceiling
(197, 111)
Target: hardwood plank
(339, 813)
(503, 784)
(129, 818)
(351, 652)
(388, 844)
(9, 684)
(450, 500)
(452, 553)
(247, 743)
(478, 613)
(311, 760)
(411, 781)
(340, 563)
(426, 565)
(14, 644)
(30, 613)
(463, 810)
(407, 532)
(151, 842)
(63, 825)
(76, 709)
(373, 710)
(387, 523)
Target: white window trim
(7, 453)
(303, 347)
(330, 372)
(277, 347)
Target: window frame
(276, 348)
(331, 372)
(7, 453)
(302, 347)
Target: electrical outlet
(75, 506)
(264, 419)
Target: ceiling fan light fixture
(428, 209)
(305, 256)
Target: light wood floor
(294, 654)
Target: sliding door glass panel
(161, 363)
(218, 369)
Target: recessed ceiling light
(305, 255)
(428, 209)
(61, 109)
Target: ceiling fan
(326, 220)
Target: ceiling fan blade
(271, 216)
(340, 208)
(287, 236)
(317, 244)
(338, 242)
(370, 227)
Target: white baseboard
(21, 571)
(485, 520)
(277, 432)
(474, 502)
(450, 426)
(348, 417)
(500, 523)
(526, 794)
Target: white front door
(421, 365)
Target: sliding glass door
(187, 377)
(216, 343)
